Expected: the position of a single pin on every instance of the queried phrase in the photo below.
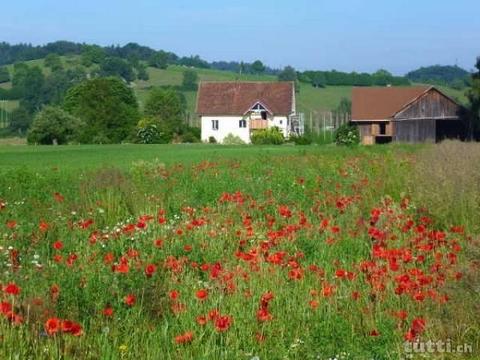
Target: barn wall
(415, 131)
(432, 105)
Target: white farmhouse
(239, 108)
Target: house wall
(281, 122)
(230, 125)
(226, 125)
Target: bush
(272, 136)
(148, 132)
(231, 139)
(190, 135)
(54, 126)
(347, 134)
(300, 139)
(212, 140)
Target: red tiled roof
(381, 103)
(236, 98)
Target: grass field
(212, 252)
(309, 99)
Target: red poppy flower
(223, 323)
(184, 338)
(53, 325)
(202, 294)
(263, 315)
(11, 289)
(202, 320)
(107, 311)
(43, 226)
(150, 269)
(130, 300)
(174, 295)
(11, 224)
(58, 245)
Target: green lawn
(93, 156)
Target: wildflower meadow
(320, 253)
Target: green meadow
(222, 252)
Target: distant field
(309, 99)
(94, 156)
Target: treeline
(131, 52)
(453, 76)
(338, 78)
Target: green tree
(20, 120)
(190, 80)
(114, 66)
(166, 107)
(29, 83)
(4, 75)
(142, 73)
(473, 95)
(92, 54)
(288, 74)
(258, 67)
(319, 80)
(52, 126)
(107, 106)
(54, 62)
(159, 60)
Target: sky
(346, 35)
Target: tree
(4, 75)
(107, 106)
(166, 107)
(473, 95)
(190, 80)
(54, 62)
(20, 120)
(29, 83)
(53, 126)
(92, 54)
(288, 74)
(159, 60)
(114, 66)
(258, 67)
(319, 80)
(142, 73)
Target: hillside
(309, 99)
(453, 76)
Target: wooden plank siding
(414, 131)
(432, 105)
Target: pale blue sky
(360, 35)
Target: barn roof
(236, 98)
(382, 103)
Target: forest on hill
(453, 76)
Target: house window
(242, 123)
(383, 128)
(214, 124)
(264, 115)
(281, 122)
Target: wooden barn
(405, 114)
